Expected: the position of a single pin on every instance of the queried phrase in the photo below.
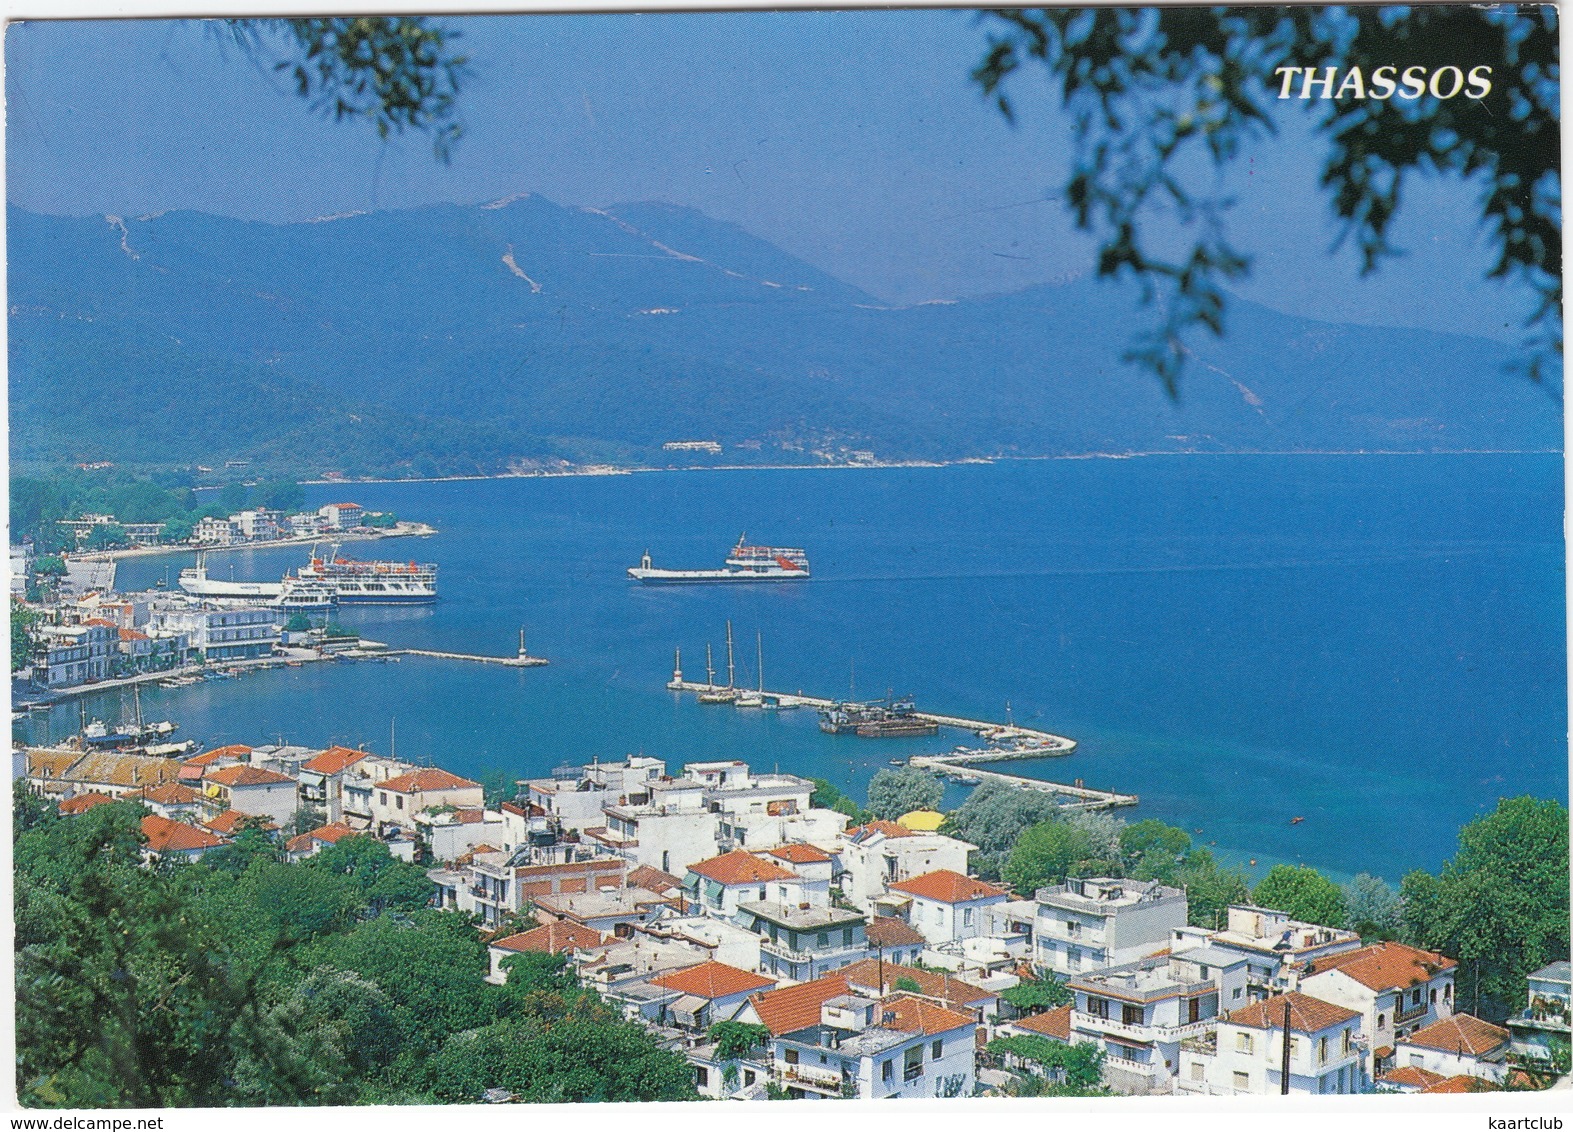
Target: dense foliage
(1030, 996)
(244, 980)
(826, 796)
(892, 793)
(1160, 99)
(1304, 893)
(1078, 1066)
(1500, 905)
(992, 818)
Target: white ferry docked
(745, 564)
(372, 583)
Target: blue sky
(854, 140)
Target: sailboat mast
(729, 667)
(709, 667)
(761, 644)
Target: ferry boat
(372, 583)
(745, 564)
(195, 581)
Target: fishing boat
(745, 564)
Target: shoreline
(400, 530)
(602, 470)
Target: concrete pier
(505, 661)
(1031, 743)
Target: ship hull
(652, 576)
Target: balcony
(1137, 1032)
(821, 1079)
(912, 1073)
(1410, 1013)
(1145, 1068)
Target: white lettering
(1414, 83)
(1326, 82)
(1354, 84)
(1436, 82)
(1288, 73)
(1479, 83)
(1382, 85)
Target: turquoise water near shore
(1374, 643)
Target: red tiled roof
(648, 876)
(555, 937)
(1054, 1023)
(947, 887)
(740, 867)
(427, 778)
(916, 1014)
(888, 828)
(1412, 1076)
(247, 776)
(1462, 1033)
(799, 854)
(333, 760)
(301, 843)
(795, 1008)
(713, 980)
(81, 803)
(133, 635)
(1386, 966)
(332, 833)
(171, 794)
(208, 758)
(230, 821)
(166, 836)
(99, 621)
(881, 979)
(887, 931)
(1464, 1084)
(1307, 1015)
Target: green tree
(498, 786)
(992, 818)
(396, 73)
(1304, 893)
(1032, 996)
(1210, 889)
(1374, 909)
(909, 984)
(177, 529)
(297, 623)
(250, 844)
(1052, 850)
(1156, 96)
(1078, 1065)
(50, 566)
(736, 1040)
(892, 793)
(1152, 850)
(1500, 906)
(826, 796)
(384, 883)
(24, 622)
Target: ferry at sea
(745, 564)
(323, 582)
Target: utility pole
(1283, 1086)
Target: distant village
(81, 633)
(865, 961)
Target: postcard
(788, 555)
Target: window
(887, 1071)
(701, 1076)
(1242, 1082)
(1414, 998)
(1098, 1007)
(1381, 1021)
(1348, 1045)
(789, 1056)
(824, 939)
(1447, 993)
(1321, 1050)
(748, 1077)
(1237, 994)
(399, 801)
(1433, 996)
(1244, 1043)
(1073, 958)
(761, 894)
(846, 937)
(1198, 1071)
(966, 917)
(937, 1049)
(912, 1064)
(382, 796)
(1130, 1015)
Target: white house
(1140, 1012)
(1546, 1016)
(799, 942)
(1460, 1045)
(397, 800)
(948, 905)
(718, 886)
(873, 856)
(251, 790)
(1245, 1056)
(666, 823)
(1089, 923)
(1397, 989)
(1278, 949)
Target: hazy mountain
(460, 339)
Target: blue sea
(1373, 643)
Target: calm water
(1374, 643)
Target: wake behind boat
(745, 564)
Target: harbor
(1023, 743)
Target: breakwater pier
(1017, 743)
(520, 661)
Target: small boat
(898, 762)
(1295, 821)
